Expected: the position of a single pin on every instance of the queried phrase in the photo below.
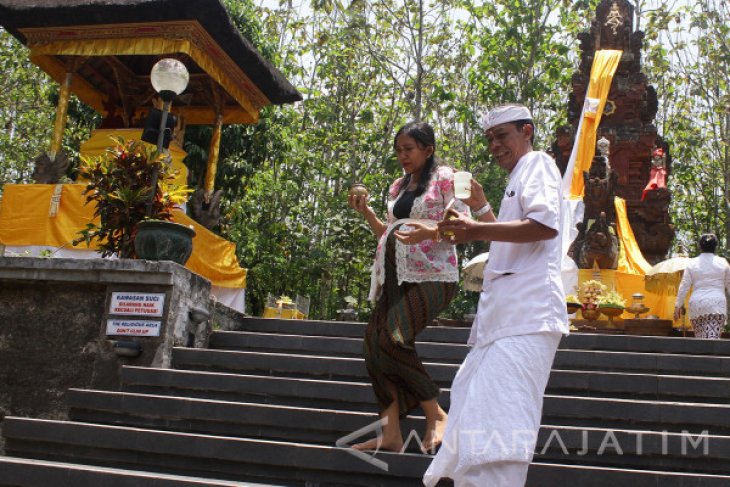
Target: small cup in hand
(462, 184)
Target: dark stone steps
(23, 472)
(325, 426)
(358, 396)
(247, 459)
(458, 335)
(352, 368)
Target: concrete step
(351, 368)
(288, 391)
(289, 364)
(325, 426)
(208, 456)
(559, 475)
(458, 335)
(246, 459)
(639, 449)
(331, 346)
(347, 329)
(358, 396)
(24, 472)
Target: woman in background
(708, 276)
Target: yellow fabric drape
(61, 115)
(213, 257)
(660, 304)
(604, 66)
(100, 140)
(24, 216)
(246, 94)
(213, 154)
(631, 260)
(24, 221)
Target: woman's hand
(678, 312)
(359, 203)
(477, 198)
(418, 233)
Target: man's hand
(456, 228)
(476, 199)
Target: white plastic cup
(462, 184)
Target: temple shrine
(639, 161)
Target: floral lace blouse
(428, 260)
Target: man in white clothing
(497, 395)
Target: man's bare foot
(435, 435)
(380, 444)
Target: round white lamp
(169, 78)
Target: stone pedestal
(56, 316)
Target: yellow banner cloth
(24, 221)
(602, 71)
(100, 140)
(630, 260)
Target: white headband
(504, 114)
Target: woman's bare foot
(435, 434)
(380, 444)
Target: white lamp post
(169, 78)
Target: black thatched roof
(18, 14)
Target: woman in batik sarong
(414, 278)
(708, 276)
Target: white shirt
(708, 275)
(523, 290)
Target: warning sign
(138, 328)
(137, 304)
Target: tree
(689, 54)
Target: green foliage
(26, 114)
(688, 56)
(120, 187)
(27, 109)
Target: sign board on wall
(121, 326)
(137, 304)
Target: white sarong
(496, 405)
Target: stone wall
(53, 326)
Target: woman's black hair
(424, 136)
(708, 242)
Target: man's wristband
(482, 211)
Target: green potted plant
(120, 185)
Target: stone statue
(206, 211)
(49, 171)
(599, 246)
(562, 147)
(599, 182)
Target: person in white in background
(709, 276)
(497, 395)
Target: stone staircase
(265, 406)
